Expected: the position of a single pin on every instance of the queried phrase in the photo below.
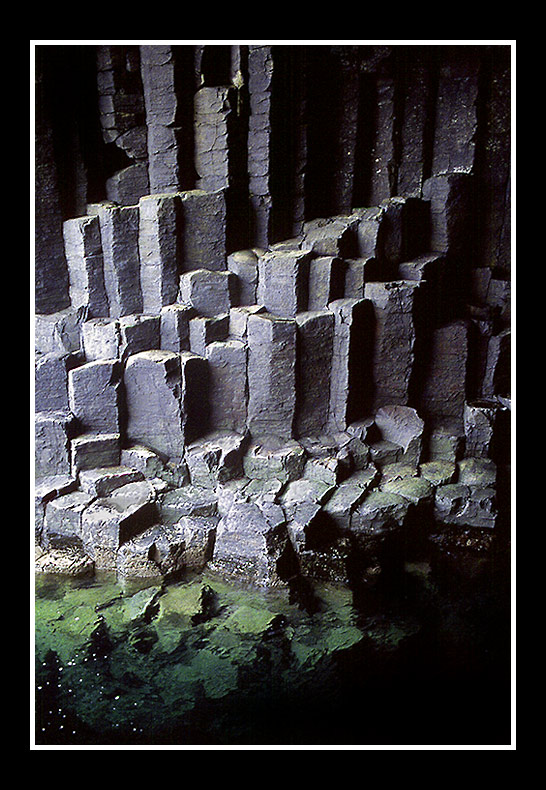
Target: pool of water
(421, 660)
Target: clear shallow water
(422, 660)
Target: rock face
(265, 343)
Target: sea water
(209, 662)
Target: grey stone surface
(438, 472)
(210, 293)
(479, 472)
(244, 265)
(260, 87)
(203, 230)
(238, 319)
(397, 471)
(195, 393)
(157, 421)
(199, 534)
(174, 327)
(101, 339)
(497, 373)
(133, 558)
(204, 330)
(139, 333)
(479, 428)
(84, 258)
(383, 452)
(60, 331)
(315, 348)
(334, 236)
(450, 502)
(215, 458)
(274, 458)
(94, 395)
(46, 489)
(119, 231)
(283, 282)
(402, 425)
(63, 520)
(186, 501)
(394, 339)
(304, 490)
(158, 71)
(110, 521)
(67, 561)
(159, 243)
(212, 109)
(101, 482)
(143, 460)
(358, 271)
(445, 441)
(328, 469)
(250, 547)
(92, 450)
(271, 375)
(53, 431)
(415, 489)
(228, 390)
(326, 281)
(446, 382)
(427, 267)
(448, 195)
(128, 185)
(51, 379)
(466, 506)
(370, 231)
(349, 334)
(342, 503)
(380, 512)
(457, 116)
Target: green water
(207, 662)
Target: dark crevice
(430, 122)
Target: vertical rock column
(283, 279)
(122, 119)
(347, 387)
(415, 128)
(213, 107)
(455, 130)
(394, 340)
(119, 228)
(382, 153)
(348, 131)
(83, 250)
(51, 273)
(157, 388)
(315, 335)
(159, 248)
(203, 230)
(271, 375)
(444, 391)
(161, 98)
(260, 75)
(94, 395)
(227, 385)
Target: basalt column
(394, 340)
(159, 248)
(271, 375)
(315, 338)
(166, 400)
(167, 82)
